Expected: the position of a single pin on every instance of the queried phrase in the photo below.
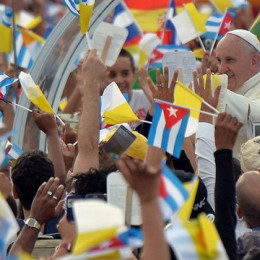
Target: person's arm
(204, 142)
(144, 179)
(88, 133)
(226, 130)
(74, 102)
(43, 209)
(67, 231)
(8, 117)
(46, 122)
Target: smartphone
(70, 201)
(98, 196)
(120, 141)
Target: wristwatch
(33, 223)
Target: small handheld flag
(168, 127)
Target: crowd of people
(37, 185)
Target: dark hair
(253, 254)
(94, 181)
(30, 170)
(125, 53)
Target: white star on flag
(227, 25)
(172, 111)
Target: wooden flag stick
(201, 44)
(128, 206)
(17, 105)
(14, 40)
(106, 48)
(89, 41)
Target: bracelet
(65, 245)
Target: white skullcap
(250, 155)
(248, 37)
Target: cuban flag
(123, 18)
(24, 57)
(172, 193)
(5, 80)
(225, 25)
(212, 25)
(168, 127)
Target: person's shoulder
(247, 241)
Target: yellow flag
(222, 5)
(198, 53)
(34, 93)
(215, 81)
(85, 11)
(143, 58)
(185, 211)
(186, 97)
(34, 22)
(6, 39)
(30, 36)
(84, 241)
(205, 238)
(197, 19)
(120, 114)
(115, 108)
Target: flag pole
(191, 108)
(215, 39)
(89, 41)
(17, 105)
(201, 44)
(14, 40)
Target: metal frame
(51, 71)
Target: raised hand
(46, 200)
(226, 130)
(142, 178)
(46, 122)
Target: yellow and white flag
(96, 221)
(115, 109)
(85, 12)
(186, 97)
(34, 93)
(196, 239)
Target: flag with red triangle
(225, 25)
(168, 127)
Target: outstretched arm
(144, 179)
(46, 122)
(88, 133)
(44, 207)
(226, 130)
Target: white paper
(116, 195)
(118, 35)
(183, 61)
(94, 214)
(221, 107)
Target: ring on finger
(49, 192)
(54, 197)
(159, 84)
